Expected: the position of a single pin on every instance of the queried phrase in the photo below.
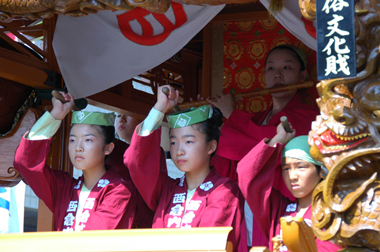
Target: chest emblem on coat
(206, 186)
(291, 207)
(103, 182)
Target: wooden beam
(206, 68)
(23, 74)
(120, 104)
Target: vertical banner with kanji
(336, 39)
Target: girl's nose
(123, 119)
(278, 74)
(293, 175)
(79, 147)
(180, 151)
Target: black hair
(210, 127)
(318, 167)
(107, 132)
(319, 170)
(298, 57)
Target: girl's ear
(212, 147)
(109, 148)
(303, 75)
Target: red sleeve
(144, 216)
(256, 179)
(30, 162)
(116, 210)
(240, 134)
(146, 162)
(225, 208)
(115, 160)
(225, 167)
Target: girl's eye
(173, 143)
(286, 67)
(71, 140)
(88, 140)
(189, 142)
(285, 169)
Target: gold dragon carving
(36, 9)
(346, 138)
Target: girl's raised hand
(60, 109)
(166, 102)
(282, 136)
(225, 102)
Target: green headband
(189, 116)
(299, 148)
(94, 118)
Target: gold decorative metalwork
(33, 10)
(345, 137)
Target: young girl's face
(300, 177)
(189, 150)
(283, 68)
(125, 126)
(86, 147)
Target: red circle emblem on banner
(147, 37)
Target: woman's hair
(107, 132)
(290, 49)
(210, 127)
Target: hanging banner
(102, 50)
(291, 18)
(336, 39)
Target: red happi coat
(144, 215)
(110, 205)
(216, 202)
(268, 204)
(242, 131)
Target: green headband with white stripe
(93, 118)
(189, 116)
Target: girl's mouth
(295, 187)
(181, 161)
(278, 85)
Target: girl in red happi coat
(301, 174)
(96, 201)
(284, 65)
(125, 126)
(201, 198)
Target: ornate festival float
(345, 137)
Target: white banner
(102, 50)
(291, 18)
(12, 208)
